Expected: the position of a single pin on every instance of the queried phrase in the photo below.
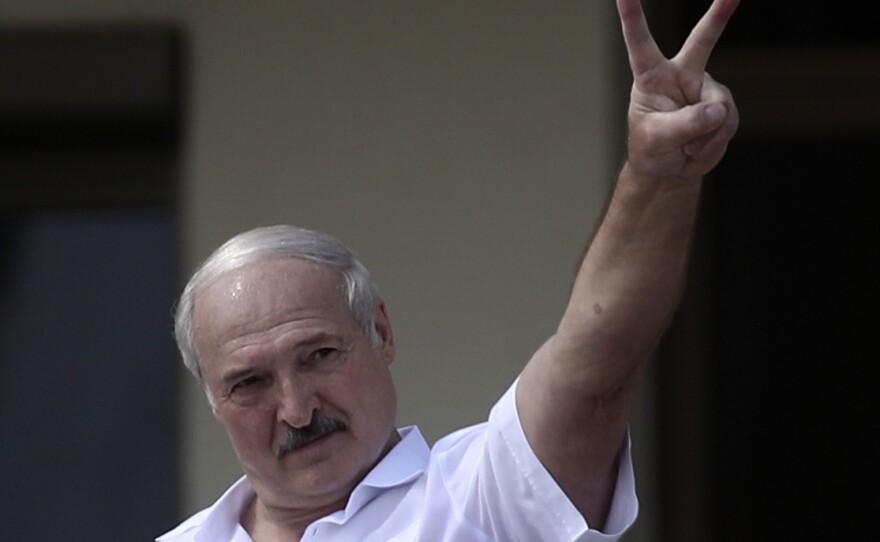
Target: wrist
(648, 183)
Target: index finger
(696, 50)
(640, 45)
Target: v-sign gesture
(680, 119)
(575, 395)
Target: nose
(297, 402)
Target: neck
(269, 523)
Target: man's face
(280, 350)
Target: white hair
(270, 242)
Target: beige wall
(462, 149)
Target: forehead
(263, 294)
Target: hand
(680, 119)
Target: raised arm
(574, 396)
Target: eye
(324, 353)
(246, 387)
(245, 383)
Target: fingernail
(715, 112)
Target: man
(293, 345)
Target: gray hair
(281, 241)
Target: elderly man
(292, 343)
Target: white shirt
(479, 484)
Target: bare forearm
(630, 279)
(574, 396)
(624, 294)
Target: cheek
(362, 392)
(248, 428)
(378, 400)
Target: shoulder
(499, 485)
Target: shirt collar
(224, 517)
(401, 465)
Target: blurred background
(464, 150)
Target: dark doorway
(88, 408)
(90, 122)
(792, 374)
(765, 378)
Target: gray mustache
(297, 437)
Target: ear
(383, 330)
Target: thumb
(706, 120)
(700, 119)
(679, 128)
(713, 115)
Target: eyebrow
(317, 338)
